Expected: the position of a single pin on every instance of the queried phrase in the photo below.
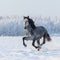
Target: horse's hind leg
(33, 43)
(48, 37)
(38, 41)
(43, 40)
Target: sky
(30, 7)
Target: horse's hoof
(36, 47)
(25, 45)
(39, 48)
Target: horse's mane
(31, 22)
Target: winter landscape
(11, 48)
(11, 44)
(44, 13)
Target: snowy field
(11, 48)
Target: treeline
(14, 26)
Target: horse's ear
(28, 16)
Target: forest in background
(14, 25)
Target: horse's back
(40, 30)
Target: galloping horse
(36, 33)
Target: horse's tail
(47, 36)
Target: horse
(36, 33)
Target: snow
(11, 48)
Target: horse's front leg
(26, 38)
(24, 41)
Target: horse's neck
(32, 24)
(30, 30)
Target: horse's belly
(38, 34)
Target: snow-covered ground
(11, 48)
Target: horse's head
(26, 21)
(26, 18)
(29, 21)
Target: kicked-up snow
(11, 48)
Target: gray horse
(36, 33)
